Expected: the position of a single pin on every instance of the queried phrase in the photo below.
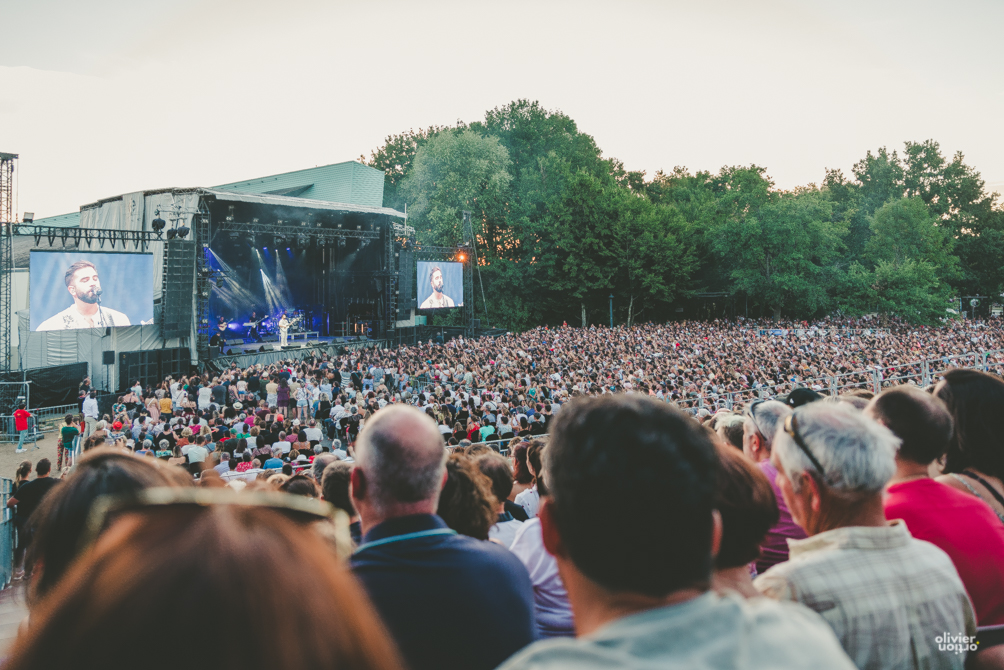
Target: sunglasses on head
(299, 509)
(791, 428)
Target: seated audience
(763, 418)
(974, 463)
(886, 595)
(466, 502)
(498, 471)
(964, 527)
(449, 600)
(745, 501)
(188, 563)
(640, 590)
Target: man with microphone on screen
(82, 282)
(438, 298)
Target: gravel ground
(9, 459)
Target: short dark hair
(497, 469)
(920, 420)
(747, 505)
(301, 485)
(70, 271)
(335, 486)
(653, 460)
(43, 466)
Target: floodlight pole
(611, 310)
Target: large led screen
(89, 289)
(440, 285)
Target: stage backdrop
(453, 283)
(126, 282)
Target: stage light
(183, 231)
(158, 223)
(28, 217)
(461, 257)
(172, 233)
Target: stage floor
(268, 350)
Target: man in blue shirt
(275, 462)
(449, 601)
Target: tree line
(559, 228)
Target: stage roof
(305, 203)
(343, 187)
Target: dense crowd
(678, 495)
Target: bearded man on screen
(438, 298)
(84, 286)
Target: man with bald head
(450, 601)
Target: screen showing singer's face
(81, 288)
(85, 285)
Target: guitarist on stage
(283, 329)
(253, 330)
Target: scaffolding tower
(7, 222)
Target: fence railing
(7, 534)
(47, 420)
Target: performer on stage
(221, 334)
(283, 329)
(253, 330)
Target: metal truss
(102, 236)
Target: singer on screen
(86, 311)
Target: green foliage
(559, 227)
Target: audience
(974, 462)
(224, 568)
(639, 590)
(497, 470)
(886, 595)
(964, 527)
(466, 502)
(763, 418)
(748, 509)
(449, 601)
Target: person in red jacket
(21, 425)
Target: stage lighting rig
(158, 223)
(183, 231)
(172, 233)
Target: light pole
(611, 310)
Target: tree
(904, 230)
(395, 158)
(783, 253)
(454, 171)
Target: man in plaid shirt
(887, 595)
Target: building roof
(349, 183)
(346, 187)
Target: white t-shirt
(529, 500)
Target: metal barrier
(7, 534)
(47, 420)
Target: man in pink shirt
(963, 526)
(762, 420)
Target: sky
(107, 97)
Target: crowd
(567, 498)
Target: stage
(268, 351)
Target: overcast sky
(105, 97)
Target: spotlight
(172, 233)
(183, 231)
(29, 217)
(341, 242)
(461, 257)
(158, 223)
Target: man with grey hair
(887, 595)
(761, 421)
(449, 601)
(321, 461)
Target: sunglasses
(299, 509)
(791, 428)
(751, 413)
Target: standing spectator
(763, 418)
(639, 590)
(886, 595)
(964, 527)
(21, 416)
(27, 499)
(67, 434)
(421, 574)
(91, 414)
